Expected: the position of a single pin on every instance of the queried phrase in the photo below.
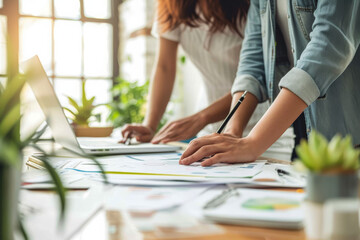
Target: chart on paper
(168, 164)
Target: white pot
(313, 221)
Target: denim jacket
(324, 36)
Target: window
(76, 40)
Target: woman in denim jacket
(322, 48)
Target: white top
(216, 56)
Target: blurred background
(97, 41)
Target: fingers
(198, 143)
(126, 135)
(217, 158)
(203, 152)
(175, 131)
(143, 138)
(199, 150)
(165, 132)
(140, 132)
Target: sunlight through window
(73, 39)
(67, 87)
(97, 8)
(40, 8)
(35, 39)
(97, 50)
(68, 50)
(67, 9)
(3, 45)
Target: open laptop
(60, 127)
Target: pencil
(228, 117)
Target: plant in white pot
(82, 114)
(332, 172)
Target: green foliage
(129, 100)
(319, 155)
(82, 112)
(129, 103)
(182, 59)
(11, 146)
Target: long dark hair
(218, 14)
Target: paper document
(263, 208)
(168, 165)
(147, 199)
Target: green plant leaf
(10, 95)
(22, 228)
(304, 154)
(35, 136)
(334, 150)
(71, 112)
(74, 103)
(60, 190)
(10, 120)
(98, 164)
(319, 155)
(59, 187)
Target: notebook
(260, 208)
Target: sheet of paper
(148, 199)
(41, 212)
(168, 164)
(163, 181)
(264, 208)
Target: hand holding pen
(224, 148)
(140, 132)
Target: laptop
(60, 127)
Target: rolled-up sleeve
(250, 74)
(334, 41)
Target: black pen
(228, 117)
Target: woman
(211, 34)
(322, 41)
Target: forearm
(160, 92)
(281, 114)
(241, 117)
(217, 111)
(162, 83)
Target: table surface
(229, 232)
(97, 228)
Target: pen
(228, 117)
(127, 139)
(221, 198)
(282, 172)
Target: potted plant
(128, 103)
(11, 160)
(332, 172)
(82, 114)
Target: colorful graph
(269, 203)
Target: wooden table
(97, 229)
(246, 233)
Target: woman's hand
(181, 129)
(218, 148)
(140, 132)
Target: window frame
(11, 11)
